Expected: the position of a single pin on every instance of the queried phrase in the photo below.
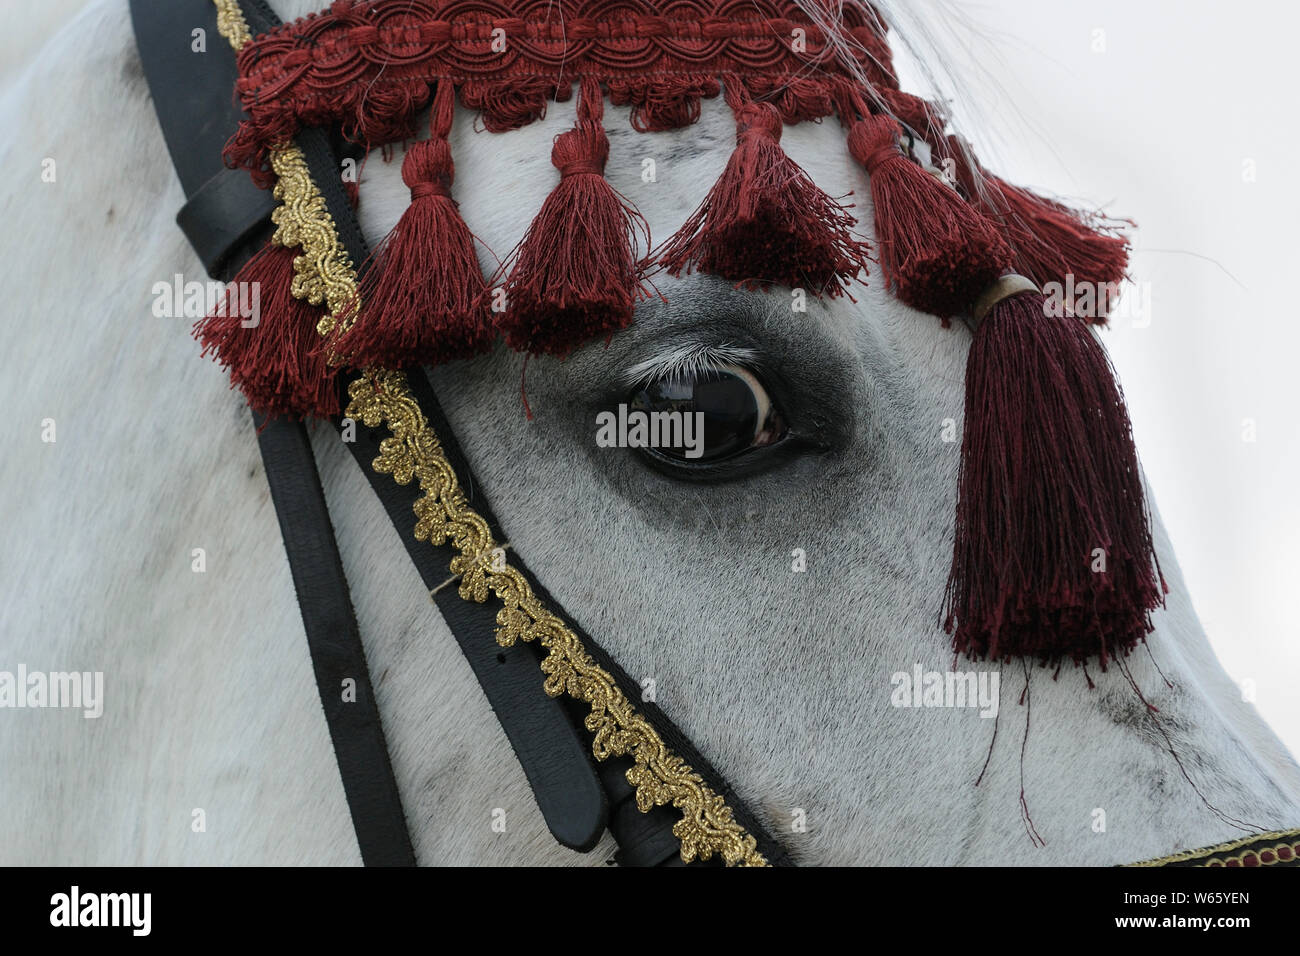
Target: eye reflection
(738, 414)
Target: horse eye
(730, 413)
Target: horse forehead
(502, 179)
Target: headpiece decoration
(1049, 477)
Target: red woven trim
(369, 66)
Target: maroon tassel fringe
(576, 274)
(1053, 556)
(765, 221)
(423, 299)
(1050, 240)
(1054, 241)
(937, 252)
(275, 363)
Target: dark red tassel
(1051, 241)
(765, 221)
(276, 363)
(1053, 556)
(423, 298)
(576, 274)
(937, 251)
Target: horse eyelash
(687, 360)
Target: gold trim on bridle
(324, 275)
(1223, 855)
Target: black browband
(226, 220)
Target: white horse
(142, 543)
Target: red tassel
(1053, 556)
(576, 275)
(937, 252)
(1051, 241)
(765, 221)
(423, 297)
(276, 362)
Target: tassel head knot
(428, 169)
(874, 141)
(758, 119)
(583, 149)
(581, 167)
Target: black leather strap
(644, 839)
(197, 116)
(221, 220)
(337, 654)
(192, 96)
(222, 216)
(554, 752)
(555, 756)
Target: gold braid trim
(658, 775)
(231, 23)
(324, 274)
(1215, 855)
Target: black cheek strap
(226, 220)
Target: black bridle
(227, 219)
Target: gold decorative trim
(659, 776)
(325, 275)
(231, 23)
(1213, 855)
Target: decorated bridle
(1049, 477)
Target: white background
(1152, 108)
(1157, 110)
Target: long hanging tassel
(423, 298)
(1052, 242)
(765, 221)
(576, 274)
(937, 252)
(1053, 556)
(273, 357)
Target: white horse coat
(212, 747)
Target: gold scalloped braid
(658, 775)
(1214, 855)
(231, 23)
(324, 274)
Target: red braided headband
(369, 67)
